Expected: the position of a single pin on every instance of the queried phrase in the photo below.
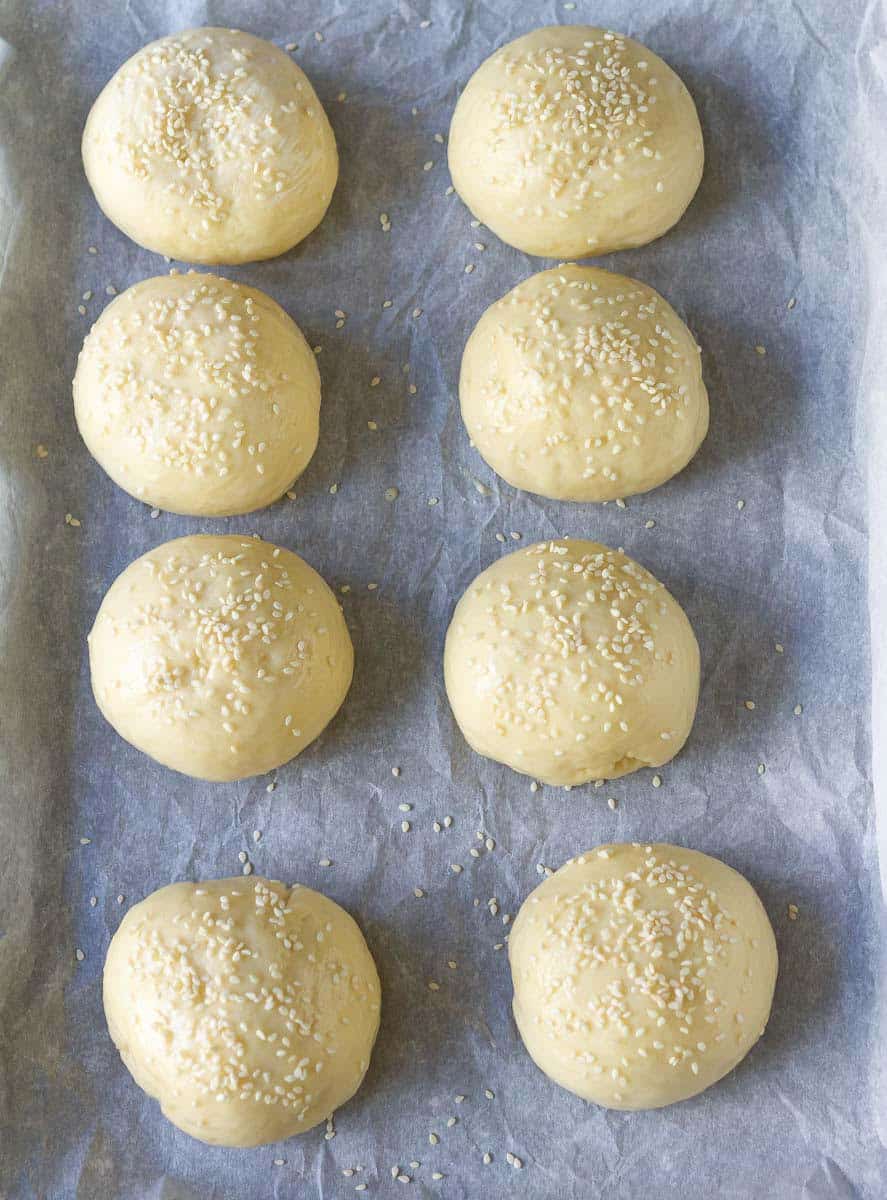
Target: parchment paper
(791, 97)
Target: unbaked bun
(572, 141)
(569, 662)
(211, 146)
(642, 974)
(220, 656)
(583, 385)
(248, 1009)
(198, 395)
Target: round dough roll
(642, 974)
(198, 395)
(211, 146)
(248, 1009)
(220, 656)
(569, 662)
(581, 384)
(573, 141)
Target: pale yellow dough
(573, 141)
(248, 1009)
(569, 662)
(198, 395)
(581, 384)
(220, 656)
(642, 974)
(211, 146)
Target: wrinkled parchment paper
(763, 539)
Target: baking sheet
(791, 101)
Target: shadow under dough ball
(569, 662)
(572, 141)
(581, 384)
(247, 1008)
(198, 395)
(642, 974)
(211, 146)
(220, 656)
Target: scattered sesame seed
(456, 868)
(793, 912)
(490, 1095)
(391, 493)
(279, 1162)
(93, 901)
(333, 489)
(750, 705)
(41, 451)
(79, 955)
(405, 827)
(433, 1139)
(797, 710)
(72, 521)
(432, 500)
(318, 37)
(448, 821)
(290, 46)
(427, 165)
(325, 862)
(92, 249)
(81, 308)
(479, 246)
(779, 648)
(620, 503)
(534, 786)
(761, 768)
(405, 807)
(424, 25)
(110, 290)
(761, 350)
(242, 856)
(372, 587)
(395, 771)
(247, 868)
(791, 304)
(85, 841)
(740, 504)
(120, 899)
(450, 190)
(418, 893)
(612, 803)
(438, 1175)
(257, 835)
(469, 268)
(656, 781)
(417, 312)
(649, 524)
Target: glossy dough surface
(248, 1009)
(569, 662)
(642, 974)
(211, 146)
(581, 384)
(220, 656)
(573, 141)
(198, 395)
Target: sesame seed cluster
(220, 656)
(198, 395)
(569, 662)
(581, 384)
(211, 146)
(573, 141)
(248, 1008)
(642, 973)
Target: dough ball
(198, 395)
(211, 146)
(642, 974)
(221, 657)
(569, 662)
(572, 141)
(583, 385)
(248, 1009)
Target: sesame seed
(740, 504)
(750, 705)
(649, 524)
(325, 862)
(391, 493)
(405, 807)
(456, 868)
(405, 826)
(487, 1159)
(793, 912)
(656, 781)
(395, 771)
(779, 648)
(490, 1095)
(761, 350)
(79, 955)
(418, 893)
(797, 710)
